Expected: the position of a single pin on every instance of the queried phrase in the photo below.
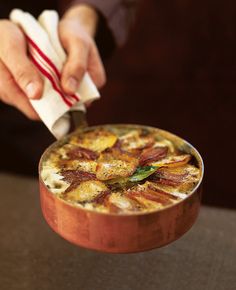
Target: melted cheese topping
(100, 179)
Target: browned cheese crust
(118, 170)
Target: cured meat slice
(75, 177)
(82, 153)
(152, 154)
(163, 176)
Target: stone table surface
(33, 257)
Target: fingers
(96, 68)
(75, 66)
(82, 55)
(19, 79)
(11, 94)
(13, 54)
(26, 76)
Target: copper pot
(124, 233)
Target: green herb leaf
(142, 173)
(127, 182)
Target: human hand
(19, 79)
(76, 31)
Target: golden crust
(114, 164)
(97, 141)
(115, 171)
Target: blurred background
(176, 72)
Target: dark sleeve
(117, 15)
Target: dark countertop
(32, 257)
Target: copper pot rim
(194, 151)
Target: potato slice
(165, 143)
(173, 161)
(86, 191)
(148, 192)
(145, 203)
(114, 164)
(187, 171)
(83, 165)
(177, 180)
(121, 202)
(96, 141)
(134, 140)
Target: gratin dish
(126, 232)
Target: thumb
(26, 75)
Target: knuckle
(80, 69)
(77, 69)
(83, 41)
(22, 76)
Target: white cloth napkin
(47, 54)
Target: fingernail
(72, 84)
(31, 90)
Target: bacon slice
(75, 177)
(162, 192)
(164, 177)
(151, 195)
(152, 154)
(100, 199)
(168, 182)
(178, 181)
(82, 153)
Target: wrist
(86, 15)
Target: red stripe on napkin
(55, 81)
(49, 76)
